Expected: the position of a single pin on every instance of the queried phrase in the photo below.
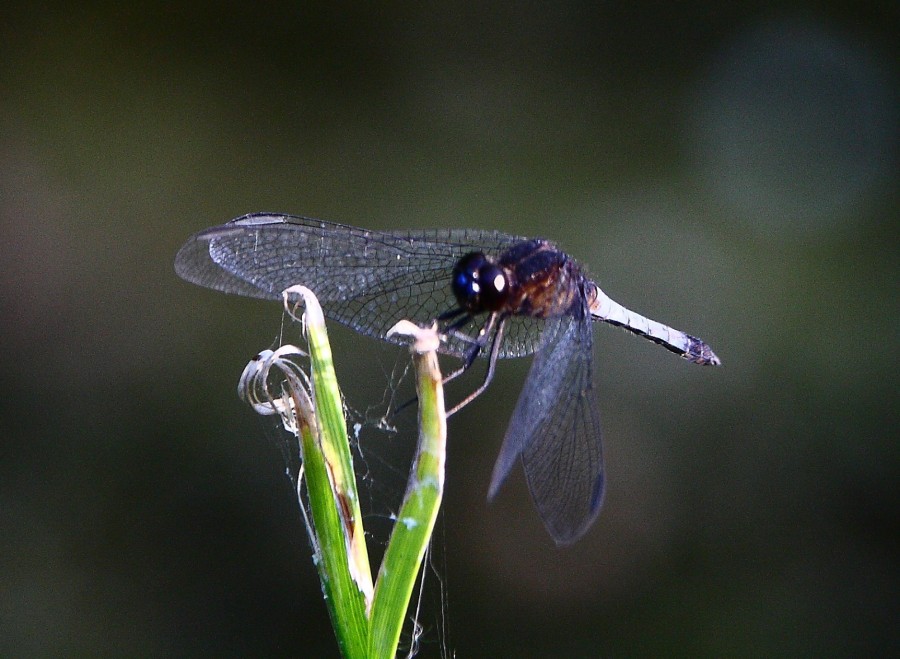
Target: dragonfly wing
(555, 428)
(365, 279)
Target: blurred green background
(730, 169)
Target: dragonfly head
(479, 284)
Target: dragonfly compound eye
(479, 284)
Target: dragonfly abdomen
(695, 350)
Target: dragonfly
(494, 295)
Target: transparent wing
(555, 428)
(367, 280)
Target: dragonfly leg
(453, 313)
(492, 362)
(477, 345)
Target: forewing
(365, 279)
(555, 428)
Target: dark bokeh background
(726, 169)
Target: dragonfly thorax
(479, 283)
